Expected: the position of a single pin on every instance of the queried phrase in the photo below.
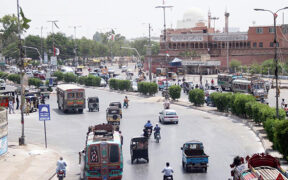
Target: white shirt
(167, 171)
(61, 165)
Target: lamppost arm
(28, 47)
(134, 50)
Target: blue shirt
(148, 125)
(157, 129)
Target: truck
(102, 156)
(70, 97)
(193, 156)
(260, 166)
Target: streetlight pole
(75, 44)
(165, 35)
(53, 22)
(275, 54)
(149, 53)
(21, 65)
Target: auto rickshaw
(117, 104)
(113, 115)
(139, 149)
(93, 104)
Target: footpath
(28, 162)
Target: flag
(56, 51)
(167, 54)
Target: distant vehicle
(172, 75)
(168, 116)
(39, 75)
(160, 72)
(2, 84)
(193, 156)
(79, 70)
(225, 80)
(123, 68)
(97, 70)
(134, 86)
(139, 149)
(103, 83)
(67, 69)
(93, 104)
(14, 69)
(29, 74)
(111, 72)
(102, 157)
(187, 86)
(70, 97)
(163, 84)
(259, 166)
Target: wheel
(132, 160)
(176, 122)
(89, 110)
(147, 160)
(98, 109)
(80, 110)
(159, 120)
(183, 165)
(186, 168)
(65, 111)
(205, 169)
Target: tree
(33, 41)
(235, 65)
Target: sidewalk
(28, 162)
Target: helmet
(156, 124)
(148, 121)
(125, 96)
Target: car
(168, 116)
(103, 83)
(134, 86)
(29, 74)
(2, 84)
(124, 69)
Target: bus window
(94, 154)
(114, 153)
(71, 95)
(79, 95)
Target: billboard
(3, 131)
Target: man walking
(17, 102)
(11, 105)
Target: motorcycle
(60, 174)
(42, 101)
(148, 132)
(169, 177)
(157, 137)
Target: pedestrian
(17, 102)
(283, 103)
(212, 82)
(11, 105)
(27, 107)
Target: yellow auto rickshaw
(113, 115)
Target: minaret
(209, 19)
(226, 21)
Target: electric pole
(21, 66)
(53, 22)
(149, 53)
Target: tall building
(192, 44)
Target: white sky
(131, 17)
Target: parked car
(2, 84)
(123, 68)
(29, 74)
(168, 116)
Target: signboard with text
(44, 112)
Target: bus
(225, 80)
(102, 156)
(70, 97)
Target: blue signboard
(50, 82)
(3, 145)
(44, 112)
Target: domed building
(191, 18)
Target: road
(223, 137)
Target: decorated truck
(258, 167)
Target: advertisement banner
(3, 145)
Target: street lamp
(275, 53)
(134, 50)
(28, 47)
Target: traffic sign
(44, 112)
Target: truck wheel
(186, 168)
(205, 169)
(183, 164)
(80, 110)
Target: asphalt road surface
(223, 137)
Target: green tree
(33, 41)
(174, 92)
(235, 65)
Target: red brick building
(254, 46)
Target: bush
(69, 77)
(239, 103)
(124, 85)
(221, 101)
(175, 92)
(281, 136)
(14, 78)
(92, 81)
(248, 109)
(3, 75)
(269, 126)
(113, 84)
(35, 82)
(59, 75)
(81, 80)
(147, 88)
(196, 96)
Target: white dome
(191, 17)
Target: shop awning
(176, 62)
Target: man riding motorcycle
(156, 130)
(148, 127)
(168, 172)
(166, 104)
(61, 166)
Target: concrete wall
(3, 131)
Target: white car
(134, 86)
(168, 116)
(2, 84)
(103, 83)
(124, 68)
(29, 74)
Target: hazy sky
(131, 17)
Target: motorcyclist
(156, 130)
(166, 104)
(168, 171)
(148, 125)
(126, 101)
(283, 103)
(42, 99)
(61, 166)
